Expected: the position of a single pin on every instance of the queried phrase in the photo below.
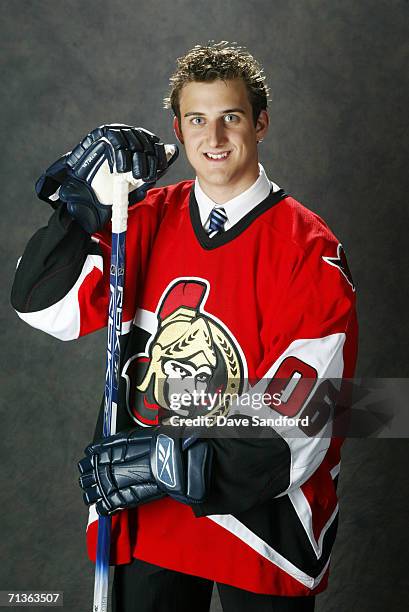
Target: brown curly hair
(224, 61)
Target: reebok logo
(165, 460)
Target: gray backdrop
(338, 142)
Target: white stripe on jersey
(326, 356)
(92, 515)
(335, 470)
(147, 320)
(303, 510)
(62, 319)
(231, 524)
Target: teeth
(217, 155)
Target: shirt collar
(238, 206)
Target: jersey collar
(230, 234)
(239, 206)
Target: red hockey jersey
(268, 299)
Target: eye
(230, 118)
(181, 371)
(197, 120)
(202, 377)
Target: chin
(217, 180)
(215, 175)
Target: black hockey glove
(48, 185)
(83, 178)
(141, 465)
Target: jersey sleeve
(61, 284)
(313, 340)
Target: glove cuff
(166, 462)
(47, 186)
(182, 474)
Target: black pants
(142, 587)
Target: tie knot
(218, 219)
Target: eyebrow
(223, 112)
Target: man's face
(184, 380)
(220, 138)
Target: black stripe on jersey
(211, 243)
(245, 473)
(277, 524)
(51, 263)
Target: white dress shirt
(239, 206)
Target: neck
(220, 194)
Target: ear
(262, 125)
(177, 130)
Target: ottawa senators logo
(340, 262)
(191, 357)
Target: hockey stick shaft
(113, 360)
(116, 292)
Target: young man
(230, 284)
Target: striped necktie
(218, 219)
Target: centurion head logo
(191, 354)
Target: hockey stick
(116, 293)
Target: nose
(189, 384)
(215, 133)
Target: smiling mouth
(217, 156)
